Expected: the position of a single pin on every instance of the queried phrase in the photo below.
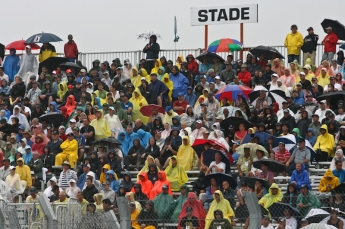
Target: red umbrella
(198, 146)
(20, 45)
(148, 109)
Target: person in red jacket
(244, 75)
(71, 49)
(330, 42)
(193, 66)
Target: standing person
(28, 63)
(330, 42)
(293, 43)
(152, 52)
(71, 49)
(47, 50)
(11, 64)
(309, 46)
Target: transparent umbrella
(147, 34)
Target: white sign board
(224, 15)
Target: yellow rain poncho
(270, 199)
(134, 219)
(158, 64)
(168, 118)
(103, 177)
(325, 142)
(170, 85)
(323, 81)
(143, 73)
(328, 179)
(135, 78)
(222, 205)
(62, 89)
(179, 60)
(24, 173)
(185, 155)
(138, 102)
(69, 152)
(149, 160)
(176, 175)
(130, 197)
(101, 126)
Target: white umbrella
(147, 34)
(275, 94)
(319, 226)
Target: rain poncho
(143, 73)
(101, 126)
(146, 184)
(156, 68)
(160, 76)
(176, 175)
(169, 84)
(185, 155)
(11, 65)
(127, 185)
(114, 122)
(339, 156)
(163, 203)
(144, 137)
(38, 130)
(69, 152)
(102, 177)
(310, 199)
(222, 205)
(27, 156)
(134, 219)
(138, 103)
(62, 89)
(323, 81)
(325, 142)
(24, 173)
(179, 204)
(70, 104)
(157, 188)
(135, 78)
(198, 210)
(300, 177)
(179, 61)
(168, 118)
(22, 118)
(294, 42)
(270, 199)
(114, 184)
(121, 113)
(333, 182)
(130, 196)
(55, 107)
(28, 63)
(311, 139)
(180, 83)
(148, 162)
(124, 147)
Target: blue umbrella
(43, 38)
(208, 156)
(262, 135)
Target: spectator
(306, 201)
(24, 173)
(324, 142)
(328, 182)
(47, 50)
(49, 190)
(175, 174)
(180, 82)
(244, 76)
(69, 151)
(274, 195)
(228, 74)
(111, 178)
(11, 65)
(330, 42)
(339, 172)
(66, 175)
(290, 197)
(265, 223)
(148, 217)
(294, 42)
(300, 176)
(5, 169)
(180, 104)
(266, 174)
(72, 190)
(36, 166)
(89, 191)
(100, 125)
(158, 185)
(300, 154)
(13, 180)
(216, 166)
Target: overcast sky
(113, 25)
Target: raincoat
(135, 78)
(146, 184)
(300, 177)
(180, 83)
(11, 65)
(160, 76)
(193, 66)
(185, 155)
(293, 43)
(179, 202)
(144, 137)
(143, 73)
(148, 164)
(325, 142)
(70, 104)
(310, 199)
(323, 81)
(222, 205)
(22, 118)
(134, 219)
(169, 84)
(333, 182)
(121, 113)
(38, 130)
(130, 196)
(114, 184)
(27, 156)
(62, 89)
(168, 118)
(101, 126)
(69, 153)
(24, 173)
(278, 67)
(157, 188)
(46, 52)
(156, 68)
(127, 185)
(311, 139)
(176, 175)
(198, 210)
(55, 108)
(179, 61)
(270, 199)
(28, 63)
(138, 103)
(102, 177)
(163, 205)
(125, 143)
(335, 158)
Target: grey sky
(112, 25)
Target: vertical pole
(241, 40)
(206, 37)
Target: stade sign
(224, 15)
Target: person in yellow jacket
(135, 78)
(134, 215)
(325, 142)
(176, 174)
(24, 172)
(293, 43)
(69, 151)
(138, 102)
(328, 182)
(47, 50)
(158, 64)
(103, 177)
(143, 73)
(186, 154)
(170, 85)
(62, 89)
(274, 195)
(102, 129)
(323, 79)
(222, 204)
(179, 61)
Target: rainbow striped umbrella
(225, 45)
(231, 92)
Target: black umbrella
(278, 96)
(251, 182)
(337, 27)
(54, 118)
(43, 38)
(332, 95)
(52, 63)
(209, 154)
(110, 140)
(270, 52)
(339, 189)
(210, 56)
(68, 65)
(220, 177)
(235, 121)
(273, 165)
(277, 210)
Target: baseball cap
(70, 86)
(180, 94)
(72, 120)
(210, 95)
(310, 28)
(286, 111)
(32, 190)
(299, 84)
(87, 165)
(199, 121)
(76, 128)
(53, 179)
(189, 209)
(329, 27)
(12, 167)
(274, 75)
(303, 186)
(165, 186)
(323, 101)
(217, 78)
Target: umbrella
(52, 63)
(332, 95)
(198, 145)
(275, 94)
(342, 46)
(337, 27)
(339, 189)
(273, 165)
(251, 182)
(21, 45)
(235, 121)
(231, 92)
(148, 109)
(208, 157)
(220, 177)
(277, 210)
(43, 38)
(225, 45)
(253, 147)
(147, 34)
(315, 215)
(68, 65)
(268, 51)
(319, 226)
(262, 135)
(328, 217)
(55, 118)
(210, 56)
(110, 140)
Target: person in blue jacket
(190, 97)
(300, 176)
(11, 65)
(121, 138)
(53, 107)
(180, 82)
(296, 98)
(144, 137)
(114, 184)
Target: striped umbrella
(225, 45)
(231, 92)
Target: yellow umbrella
(253, 147)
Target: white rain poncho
(28, 66)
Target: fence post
(2, 219)
(125, 216)
(254, 210)
(48, 212)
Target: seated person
(36, 166)
(134, 155)
(198, 185)
(300, 176)
(339, 172)
(290, 197)
(24, 173)
(13, 181)
(219, 221)
(282, 155)
(306, 201)
(265, 174)
(145, 184)
(157, 187)
(216, 166)
(274, 195)
(189, 221)
(147, 218)
(176, 174)
(69, 151)
(328, 182)
(244, 162)
(260, 154)
(62, 198)
(49, 190)
(337, 201)
(300, 154)
(114, 183)
(163, 203)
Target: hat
(279, 80)
(11, 167)
(32, 190)
(281, 143)
(323, 101)
(331, 78)
(239, 60)
(209, 71)
(96, 107)
(314, 85)
(278, 124)
(165, 186)
(266, 217)
(70, 134)
(70, 86)
(199, 121)
(75, 128)
(308, 95)
(274, 75)
(316, 115)
(38, 136)
(304, 220)
(324, 69)
(180, 94)
(307, 66)
(219, 117)
(143, 78)
(189, 209)
(66, 163)
(217, 78)
(203, 76)
(71, 181)
(25, 132)
(82, 70)
(244, 184)
(303, 186)
(329, 27)
(72, 120)
(299, 84)
(286, 111)
(243, 66)
(87, 165)
(210, 95)
(53, 179)
(106, 73)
